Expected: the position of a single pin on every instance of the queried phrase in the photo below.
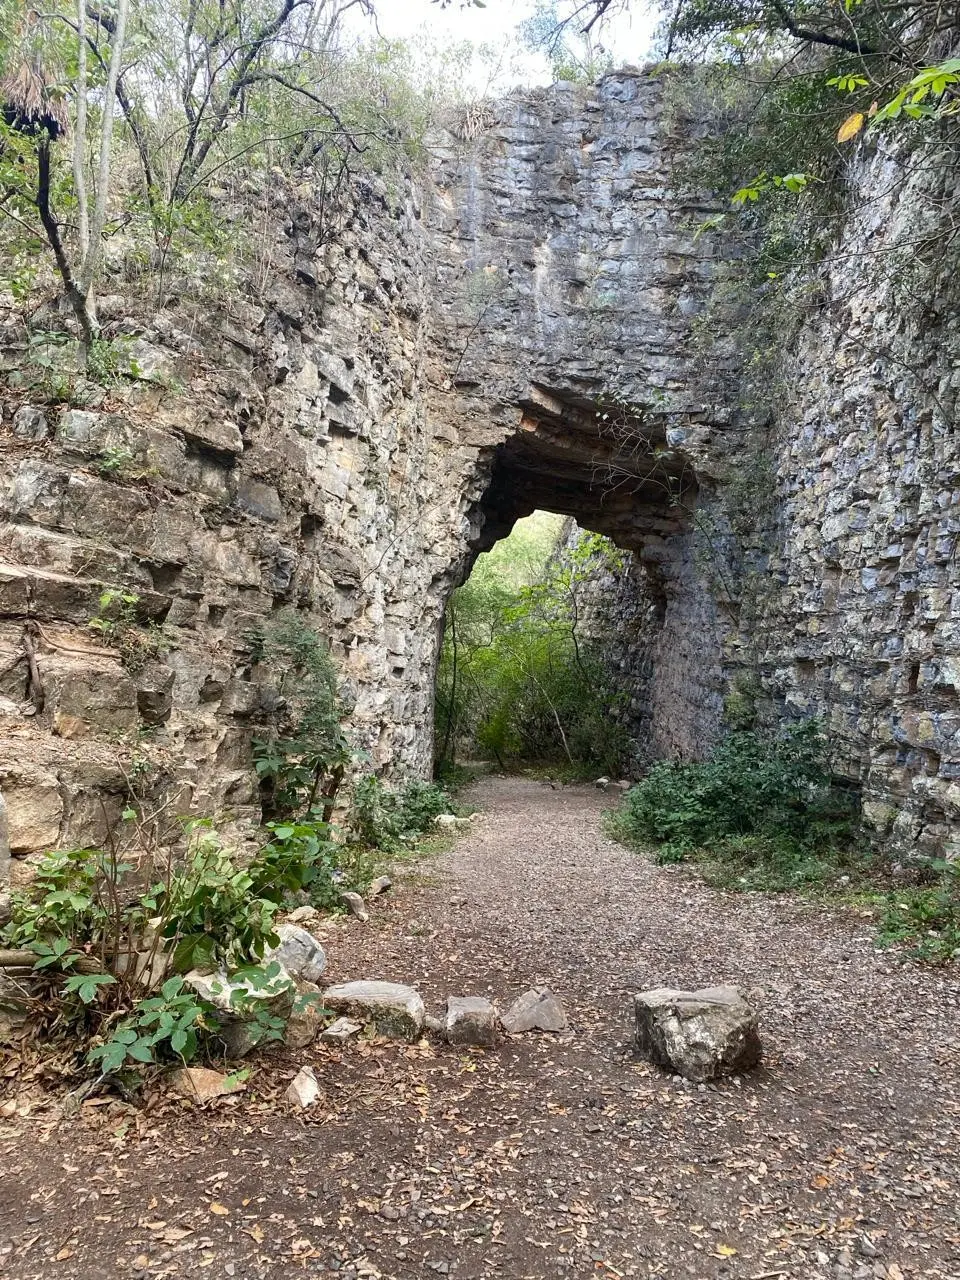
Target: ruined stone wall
(858, 619)
(569, 280)
(271, 451)
(368, 405)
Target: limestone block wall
(568, 281)
(859, 619)
(345, 425)
(270, 453)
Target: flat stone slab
(536, 1010)
(303, 1090)
(199, 1084)
(470, 1020)
(394, 1009)
(701, 1035)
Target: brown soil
(551, 1156)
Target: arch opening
(608, 464)
(553, 668)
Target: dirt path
(840, 1160)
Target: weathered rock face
(343, 430)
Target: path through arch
(549, 1156)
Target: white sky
(627, 37)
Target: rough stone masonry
(341, 431)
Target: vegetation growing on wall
(793, 89)
(301, 756)
(108, 936)
(518, 680)
(161, 128)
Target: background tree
(202, 88)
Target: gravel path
(552, 1156)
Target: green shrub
(300, 760)
(926, 918)
(299, 858)
(209, 911)
(383, 819)
(170, 1024)
(762, 802)
(101, 925)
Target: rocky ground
(554, 1155)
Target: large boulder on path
(395, 1010)
(700, 1035)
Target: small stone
(199, 1084)
(394, 1009)
(450, 822)
(471, 1020)
(380, 885)
(303, 1090)
(303, 915)
(30, 423)
(390, 1213)
(340, 1031)
(430, 1023)
(536, 1010)
(298, 952)
(356, 905)
(867, 1248)
(306, 1018)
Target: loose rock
(306, 1017)
(699, 1034)
(303, 1090)
(471, 1020)
(536, 1010)
(340, 1031)
(356, 905)
(303, 915)
(299, 952)
(450, 822)
(380, 885)
(237, 1002)
(395, 1010)
(200, 1084)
